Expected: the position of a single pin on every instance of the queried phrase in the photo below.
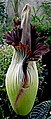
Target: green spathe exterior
(14, 84)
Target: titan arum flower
(22, 75)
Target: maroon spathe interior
(37, 46)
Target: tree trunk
(16, 7)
